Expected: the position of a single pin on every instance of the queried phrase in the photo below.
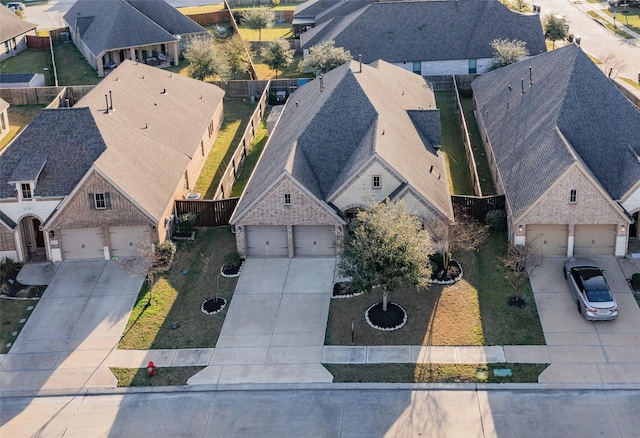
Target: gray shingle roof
(69, 140)
(570, 100)
(428, 30)
(16, 78)
(116, 24)
(323, 137)
(12, 25)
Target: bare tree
(612, 65)
(140, 264)
(521, 261)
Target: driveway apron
(274, 329)
(582, 351)
(76, 324)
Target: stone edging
(7, 297)
(398, 327)
(230, 275)
(336, 297)
(455, 280)
(217, 311)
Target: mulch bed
(343, 289)
(213, 305)
(9, 287)
(393, 319)
(230, 270)
(452, 273)
(518, 302)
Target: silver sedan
(590, 289)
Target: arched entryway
(32, 238)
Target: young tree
(258, 19)
(555, 28)
(612, 65)
(520, 261)
(204, 61)
(141, 264)
(386, 248)
(506, 52)
(237, 52)
(325, 57)
(278, 55)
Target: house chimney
(360, 61)
(106, 99)
(110, 101)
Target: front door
(33, 239)
(633, 228)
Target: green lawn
(435, 373)
(473, 311)
(178, 295)
(453, 147)
(251, 160)
(237, 113)
(11, 313)
(19, 117)
(293, 71)
(631, 19)
(281, 30)
(174, 376)
(72, 68)
(30, 61)
(482, 165)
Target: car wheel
(579, 307)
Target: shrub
(465, 91)
(232, 259)
(186, 223)
(165, 250)
(496, 219)
(635, 281)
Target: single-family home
(358, 135)
(99, 180)
(109, 31)
(564, 148)
(13, 33)
(429, 37)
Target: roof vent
(106, 100)
(530, 77)
(110, 101)
(164, 91)
(360, 62)
(321, 83)
(142, 77)
(431, 169)
(522, 81)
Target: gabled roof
(431, 30)
(331, 128)
(571, 113)
(317, 11)
(117, 24)
(142, 145)
(12, 25)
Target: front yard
(174, 319)
(473, 311)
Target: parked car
(618, 3)
(15, 6)
(590, 289)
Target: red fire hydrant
(151, 368)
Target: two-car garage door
(589, 240)
(86, 243)
(308, 241)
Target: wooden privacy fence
(477, 207)
(475, 180)
(244, 147)
(448, 82)
(44, 95)
(209, 213)
(38, 42)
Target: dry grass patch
(19, 117)
(174, 376)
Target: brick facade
(270, 210)
(6, 240)
(79, 214)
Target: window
(287, 199)
(100, 201)
(375, 182)
(473, 66)
(417, 67)
(573, 197)
(26, 191)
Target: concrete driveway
(274, 329)
(74, 327)
(582, 351)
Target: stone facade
(270, 210)
(79, 214)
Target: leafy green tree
(506, 52)
(278, 55)
(258, 19)
(385, 249)
(204, 61)
(555, 28)
(325, 57)
(237, 52)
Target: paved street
(328, 413)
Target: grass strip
(435, 373)
(169, 376)
(11, 313)
(259, 141)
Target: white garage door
(81, 243)
(594, 240)
(128, 241)
(314, 240)
(549, 239)
(267, 241)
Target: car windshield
(595, 286)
